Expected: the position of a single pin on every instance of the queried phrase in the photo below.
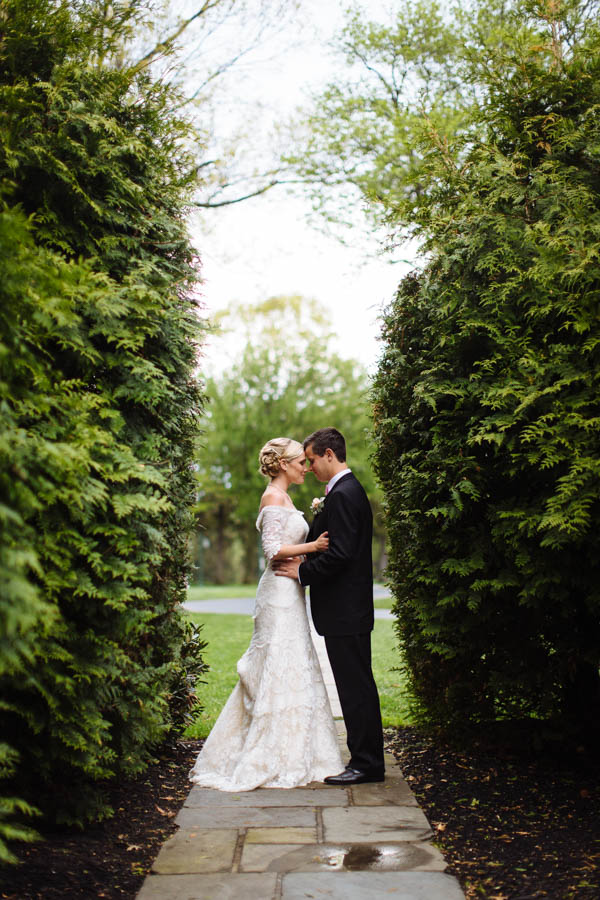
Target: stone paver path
(367, 842)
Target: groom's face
(320, 466)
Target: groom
(341, 599)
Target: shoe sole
(350, 781)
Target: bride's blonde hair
(274, 452)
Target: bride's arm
(271, 533)
(321, 543)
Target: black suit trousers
(350, 658)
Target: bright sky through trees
(265, 246)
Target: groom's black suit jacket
(341, 578)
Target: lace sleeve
(270, 525)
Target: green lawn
(383, 603)
(390, 682)
(228, 637)
(219, 591)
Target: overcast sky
(264, 246)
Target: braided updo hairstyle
(274, 451)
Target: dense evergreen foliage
(487, 399)
(99, 410)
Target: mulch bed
(109, 860)
(513, 824)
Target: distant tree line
(280, 376)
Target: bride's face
(296, 469)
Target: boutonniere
(317, 505)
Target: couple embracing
(276, 729)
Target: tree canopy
(409, 84)
(361, 137)
(203, 48)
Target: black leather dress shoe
(352, 776)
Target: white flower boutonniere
(317, 505)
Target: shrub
(99, 408)
(487, 416)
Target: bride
(276, 729)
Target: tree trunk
(380, 557)
(250, 556)
(582, 698)
(220, 546)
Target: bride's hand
(322, 542)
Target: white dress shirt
(335, 479)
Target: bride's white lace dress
(276, 729)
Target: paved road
(244, 606)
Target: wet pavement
(367, 841)
(370, 840)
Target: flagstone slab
(208, 887)
(374, 824)
(260, 857)
(282, 835)
(320, 796)
(394, 791)
(246, 817)
(374, 885)
(342, 858)
(321, 786)
(197, 850)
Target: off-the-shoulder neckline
(277, 506)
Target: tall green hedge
(487, 398)
(99, 409)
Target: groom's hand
(287, 567)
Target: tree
(99, 410)
(362, 135)
(198, 48)
(486, 400)
(283, 379)
(403, 83)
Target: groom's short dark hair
(327, 439)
